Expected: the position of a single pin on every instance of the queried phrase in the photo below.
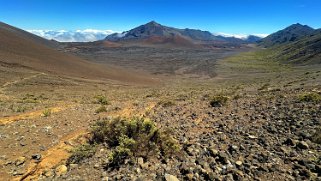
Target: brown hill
(175, 40)
(155, 33)
(29, 36)
(18, 47)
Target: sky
(226, 16)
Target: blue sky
(230, 16)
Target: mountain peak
(155, 32)
(153, 23)
(298, 25)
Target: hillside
(287, 35)
(304, 51)
(29, 36)
(20, 48)
(297, 44)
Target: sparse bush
(317, 136)
(310, 97)
(136, 103)
(101, 109)
(166, 103)
(131, 138)
(46, 112)
(264, 87)
(21, 109)
(82, 152)
(31, 98)
(11, 107)
(152, 94)
(219, 101)
(237, 96)
(181, 97)
(100, 99)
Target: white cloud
(241, 36)
(262, 35)
(89, 35)
(86, 35)
(120, 35)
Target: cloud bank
(86, 35)
(240, 36)
(89, 35)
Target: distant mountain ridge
(253, 39)
(287, 35)
(296, 44)
(154, 30)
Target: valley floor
(266, 131)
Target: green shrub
(310, 97)
(101, 109)
(219, 101)
(46, 112)
(100, 99)
(132, 138)
(82, 152)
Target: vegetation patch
(82, 152)
(101, 109)
(310, 97)
(219, 101)
(18, 109)
(166, 103)
(100, 99)
(264, 87)
(132, 138)
(46, 113)
(31, 98)
(21, 108)
(317, 136)
(237, 97)
(256, 61)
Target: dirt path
(55, 155)
(23, 79)
(32, 115)
(61, 152)
(7, 84)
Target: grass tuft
(219, 101)
(310, 97)
(46, 113)
(101, 109)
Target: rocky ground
(266, 136)
(265, 131)
(156, 60)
